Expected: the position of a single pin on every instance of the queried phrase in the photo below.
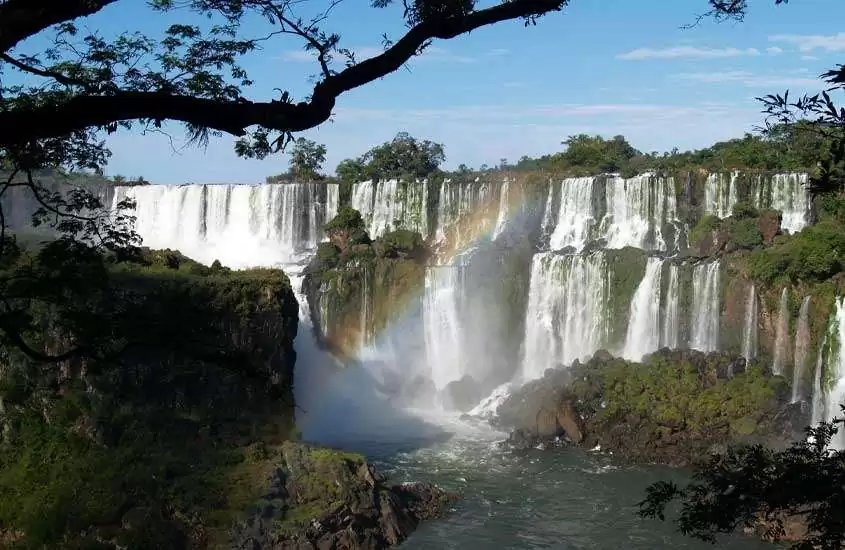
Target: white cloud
(496, 52)
(774, 50)
(810, 42)
(361, 53)
(809, 58)
(687, 52)
(433, 53)
(748, 79)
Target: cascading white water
(830, 391)
(720, 194)
(566, 318)
(636, 212)
(623, 212)
(705, 307)
(240, 225)
(787, 193)
(390, 204)
(671, 315)
(791, 196)
(644, 319)
(781, 335)
(749, 334)
(802, 347)
(575, 217)
(442, 324)
(464, 212)
(504, 210)
(819, 412)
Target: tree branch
(22, 125)
(20, 19)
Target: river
(564, 499)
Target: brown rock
(569, 421)
(768, 222)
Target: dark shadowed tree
(67, 83)
(754, 485)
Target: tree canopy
(69, 83)
(403, 156)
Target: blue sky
(601, 66)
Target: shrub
(401, 241)
(744, 232)
(346, 218)
(704, 227)
(743, 210)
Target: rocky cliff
(323, 499)
(673, 408)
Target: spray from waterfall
(705, 306)
(749, 335)
(644, 318)
(671, 315)
(802, 346)
(781, 334)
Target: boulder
(324, 499)
(462, 395)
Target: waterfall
(671, 317)
(366, 313)
(781, 334)
(644, 318)
(720, 194)
(240, 225)
(637, 209)
(575, 217)
(791, 196)
(504, 210)
(705, 307)
(749, 335)
(464, 212)
(565, 317)
(802, 345)
(390, 204)
(831, 379)
(442, 324)
(818, 391)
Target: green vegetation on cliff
(812, 255)
(351, 277)
(138, 436)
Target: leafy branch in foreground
(753, 485)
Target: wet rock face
(675, 408)
(462, 395)
(324, 499)
(769, 224)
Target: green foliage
(743, 232)
(753, 484)
(673, 392)
(744, 210)
(347, 218)
(706, 225)
(812, 255)
(306, 159)
(351, 170)
(400, 242)
(403, 157)
(175, 369)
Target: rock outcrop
(323, 499)
(674, 408)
